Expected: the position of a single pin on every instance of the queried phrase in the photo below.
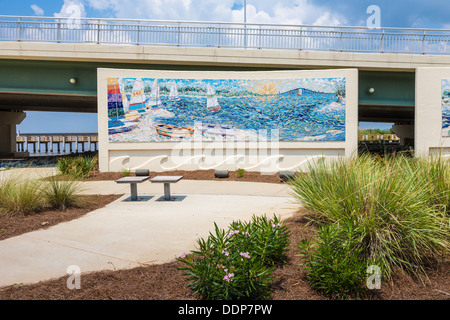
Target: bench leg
(133, 187)
(167, 191)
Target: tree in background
(376, 131)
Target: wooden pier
(56, 143)
(378, 138)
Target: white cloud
(262, 11)
(294, 13)
(71, 9)
(37, 10)
(102, 4)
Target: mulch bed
(166, 282)
(191, 175)
(17, 225)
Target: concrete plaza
(127, 234)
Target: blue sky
(399, 13)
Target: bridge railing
(226, 35)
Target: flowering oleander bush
(237, 263)
(335, 262)
(269, 238)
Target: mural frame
(140, 152)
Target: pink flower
(245, 255)
(232, 233)
(183, 255)
(225, 252)
(228, 277)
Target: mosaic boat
(117, 126)
(216, 129)
(211, 100)
(174, 132)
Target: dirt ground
(166, 281)
(192, 175)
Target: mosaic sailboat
(155, 101)
(117, 122)
(173, 95)
(137, 100)
(125, 102)
(211, 100)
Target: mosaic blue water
(445, 118)
(295, 116)
(446, 121)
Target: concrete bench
(133, 181)
(167, 180)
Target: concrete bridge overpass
(50, 64)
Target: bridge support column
(8, 122)
(405, 132)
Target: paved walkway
(127, 234)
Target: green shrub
(336, 265)
(126, 172)
(391, 203)
(63, 165)
(61, 194)
(77, 167)
(269, 238)
(20, 196)
(235, 264)
(240, 172)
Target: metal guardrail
(224, 35)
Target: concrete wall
(251, 156)
(218, 56)
(428, 123)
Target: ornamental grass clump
(391, 202)
(20, 196)
(434, 171)
(24, 196)
(61, 194)
(236, 263)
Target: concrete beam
(382, 113)
(218, 56)
(48, 102)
